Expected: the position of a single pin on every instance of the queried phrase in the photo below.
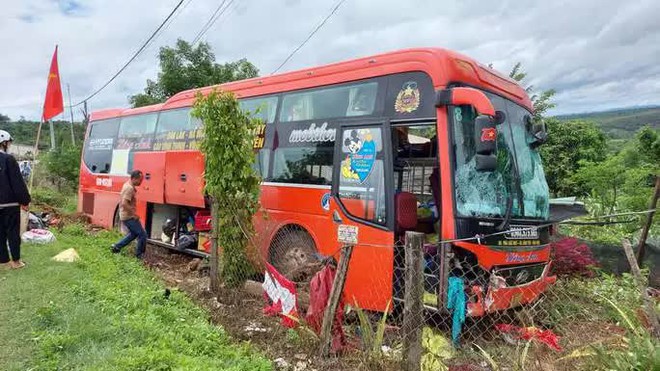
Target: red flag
(54, 104)
(488, 134)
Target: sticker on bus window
(347, 234)
(407, 101)
(361, 156)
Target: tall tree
(569, 145)
(184, 67)
(542, 101)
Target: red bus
(420, 139)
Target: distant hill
(620, 123)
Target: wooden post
(637, 274)
(444, 275)
(413, 308)
(333, 301)
(641, 249)
(214, 261)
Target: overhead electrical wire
(334, 10)
(219, 11)
(144, 46)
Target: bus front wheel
(293, 255)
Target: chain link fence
(535, 316)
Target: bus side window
(99, 144)
(362, 174)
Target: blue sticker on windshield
(361, 157)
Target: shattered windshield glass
(519, 172)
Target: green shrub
(62, 167)
(49, 197)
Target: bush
(62, 167)
(572, 258)
(49, 197)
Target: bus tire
(292, 253)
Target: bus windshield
(519, 173)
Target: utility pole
(52, 135)
(73, 137)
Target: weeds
(372, 340)
(635, 350)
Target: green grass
(64, 202)
(105, 312)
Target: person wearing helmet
(13, 195)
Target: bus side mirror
(485, 135)
(537, 130)
(461, 96)
(485, 143)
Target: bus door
(361, 209)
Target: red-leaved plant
(572, 258)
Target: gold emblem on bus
(407, 100)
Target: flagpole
(35, 153)
(73, 138)
(52, 135)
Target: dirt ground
(241, 315)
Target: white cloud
(597, 54)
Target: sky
(597, 54)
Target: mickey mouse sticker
(361, 155)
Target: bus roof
(121, 112)
(443, 66)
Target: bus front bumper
(501, 297)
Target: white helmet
(5, 137)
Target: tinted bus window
(177, 130)
(262, 108)
(341, 101)
(98, 147)
(135, 134)
(174, 120)
(303, 165)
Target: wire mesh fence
(520, 316)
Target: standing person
(13, 195)
(128, 216)
(26, 170)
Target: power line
(334, 10)
(153, 35)
(214, 17)
(183, 9)
(201, 31)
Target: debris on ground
(67, 256)
(254, 327)
(38, 236)
(194, 264)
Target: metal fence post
(413, 310)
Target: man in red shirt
(128, 216)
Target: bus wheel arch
(292, 250)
